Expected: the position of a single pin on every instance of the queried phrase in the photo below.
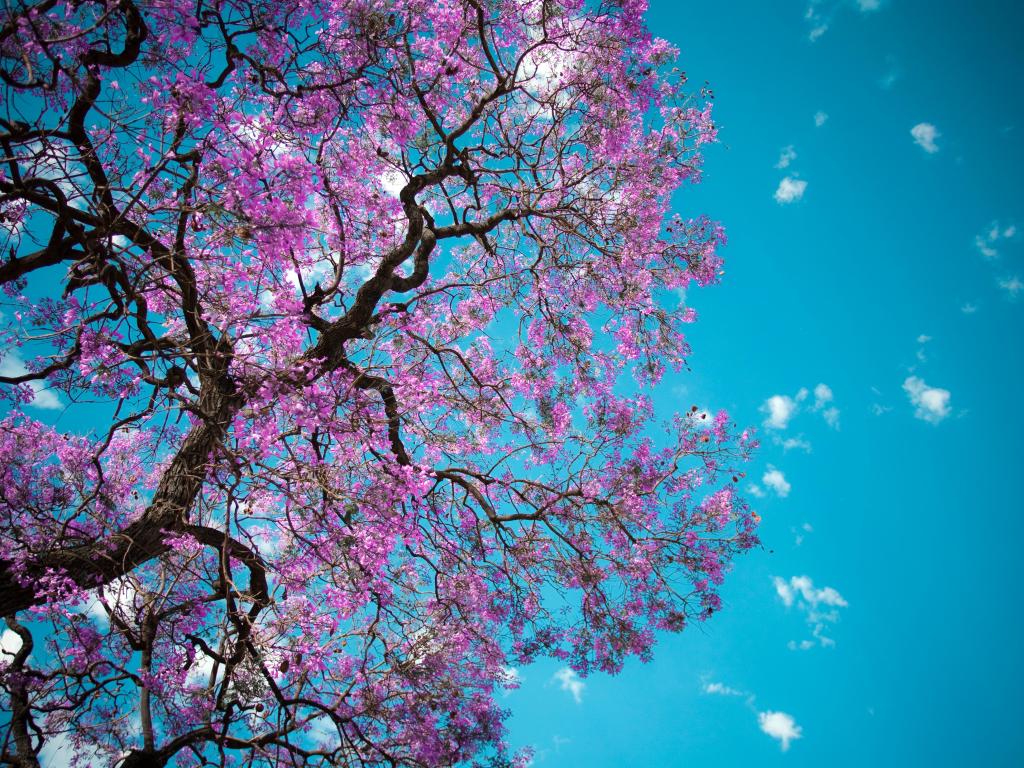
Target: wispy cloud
(822, 402)
(720, 689)
(790, 190)
(893, 72)
(931, 404)
(831, 416)
(877, 408)
(820, 118)
(968, 308)
(798, 534)
(568, 680)
(816, 20)
(922, 339)
(795, 442)
(819, 14)
(787, 156)
(925, 135)
(820, 607)
(994, 233)
(1012, 285)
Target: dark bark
(102, 561)
(21, 712)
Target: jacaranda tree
(339, 318)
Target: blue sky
(893, 277)
(870, 180)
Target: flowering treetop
(352, 307)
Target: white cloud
(795, 442)
(790, 190)
(831, 416)
(820, 118)
(787, 156)
(1012, 285)
(60, 752)
(987, 241)
(201, 669)
(270, 542)
(10, 644)
(988, 244)
(323, 730)
(818, 23)
(799, 535)
(755, 490)
(719, 689)
(569, 681)
(819, 14)
(984, 247)
(822, 395)
(120, 596)
(53, 161)
(822, 399)
(779, 726)
(931, 403)
(780, 409)
(510, 679)
(545, 68)
(784, 591)
(13, 365)
(775, 480)
(925, 135)
(814, 597)
(893, 73)
(922, 339)
(968, 308)
(392, 182)
(819, 606)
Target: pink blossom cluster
(329, 336)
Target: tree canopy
(329, 329)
